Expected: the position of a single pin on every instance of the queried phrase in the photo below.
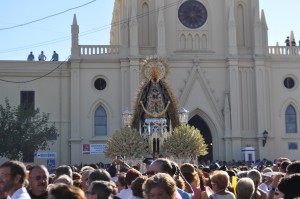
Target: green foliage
(23, 130)
(126, 142)
(185, 141)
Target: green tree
(127, 142)
(185, 141)
(23, 131)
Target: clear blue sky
(55, 33)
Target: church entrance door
(201, 125)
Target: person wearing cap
(267, 179)
(147, 162)
(214, 166)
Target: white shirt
(42, 57)
(125, 193)
(115, 179)
(263, 187)
(21, 194)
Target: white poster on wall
(97, 148)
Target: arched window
(100, 122)
(145, 40)
(197, 42)
(290, 120)
(189, 42)
(182, 42)
(204, 42)
(241, 26)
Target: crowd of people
(42, 56)
(162, 178)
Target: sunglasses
(151, 173)
(44, 177)
(89, 193)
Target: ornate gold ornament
(154, 68)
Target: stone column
(227, 137)
(161, 30)
(262, 108)
(75, 139)
(134, 77)
(232, 39)
(235, 108)
(133, 25)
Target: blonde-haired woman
(219, 183)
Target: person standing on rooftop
(54, 56)
(42, 57)
(30, 57)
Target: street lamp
(265, 136)
(183, 116)
(126, 117)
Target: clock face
(192, 14)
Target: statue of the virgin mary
(155, 98)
